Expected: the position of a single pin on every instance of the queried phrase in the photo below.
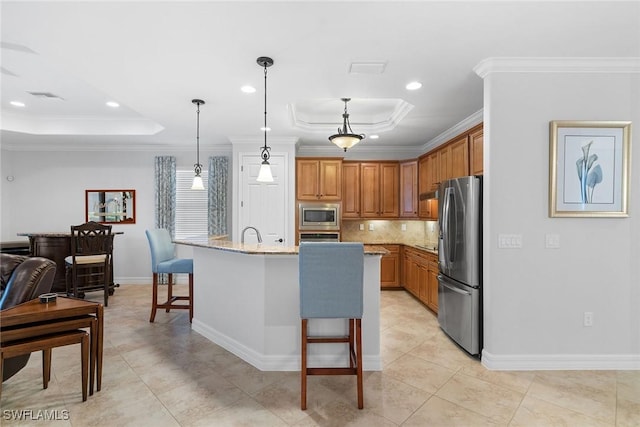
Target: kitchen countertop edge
(257, 248)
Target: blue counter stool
(331, 283)
(163, 260)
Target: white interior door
(263, 205)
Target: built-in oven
(321, 236)
(319, 216)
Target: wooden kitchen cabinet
(319, 179)
(411, 272)
(432, 284)
(453, 159)
(428, 182)
(409, 189)
(476, 151)
(379, 190)
(350, 190)
(459, 150)
(390, 267)
(421, 276)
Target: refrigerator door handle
(446, 213)
(452, 288)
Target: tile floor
(163, 374)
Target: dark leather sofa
(22, 279)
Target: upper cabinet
(409, 189)
(459, 150)
(379, 196)
(351, 190)
(476, 151)
(461, 156)
(318, 179)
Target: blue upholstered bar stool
(331, 287)
(163, 260)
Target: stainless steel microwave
(319, 216)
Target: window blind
(191, 206)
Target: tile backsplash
(390, 231)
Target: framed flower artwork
(589, 165)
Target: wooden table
(34, 318)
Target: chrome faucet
(253, 228)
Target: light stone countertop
(215, 242)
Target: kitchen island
(246, 299)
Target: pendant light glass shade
(197, 183)
(197, 179)
(265, 175)
(345, 138)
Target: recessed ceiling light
(265, 129)
(413, 85)
(17, 103)
(112, 104)
(374, 136)
(248, 89)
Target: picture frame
(110, 206)
(589, 164)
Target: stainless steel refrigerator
(460, 261)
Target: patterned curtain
(165, 200)
(218, 178)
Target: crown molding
(557, 65)
(455, 130)
(125, 147)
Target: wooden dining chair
(331, 287)
(88, 268)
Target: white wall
(48, 190)
(535, 298)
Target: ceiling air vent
(367, 67)
(45, 95)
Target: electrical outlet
(371, 227)
(403, 227)
(588, 318)
(361, 227)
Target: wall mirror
(110, 206)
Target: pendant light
(345, 138)
(197, 179)
(264, 175)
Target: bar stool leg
(170, 291)
(303, 367)
(359, 362)
(154, 301)
(190, 297)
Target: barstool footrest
(332, 371)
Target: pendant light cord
(198, 166)
(265, 150)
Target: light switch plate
(510, 241)
(552, 241)
(403, 227)
(361, 227)
(371, 227)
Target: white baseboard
(541, 362)
(278, 362)
(179, 279)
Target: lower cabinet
(390, 267)
(421, 276)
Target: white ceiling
(153, 57)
